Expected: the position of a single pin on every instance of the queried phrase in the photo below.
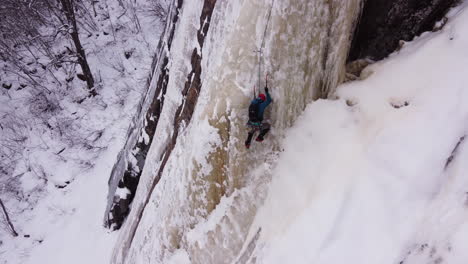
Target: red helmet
(262, 97)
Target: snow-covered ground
(370, 181)
(61, 181)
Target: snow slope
(373, 182)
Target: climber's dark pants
(254, 127)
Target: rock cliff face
(186, 153)
(384, 23)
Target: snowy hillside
(58, 145)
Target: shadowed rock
(384, 23)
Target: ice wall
(200, 189)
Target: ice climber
(256, 110)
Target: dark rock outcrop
(120, 209)
(384, 23)
(355, 68)
(7, 85)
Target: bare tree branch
(68, 9)
(10, 224)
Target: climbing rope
(262, 45)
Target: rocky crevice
(120, 207)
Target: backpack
(253, 112)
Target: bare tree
(10, 225)
(21, 36)
(159, 9)
(19, 29)
(69, 12)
